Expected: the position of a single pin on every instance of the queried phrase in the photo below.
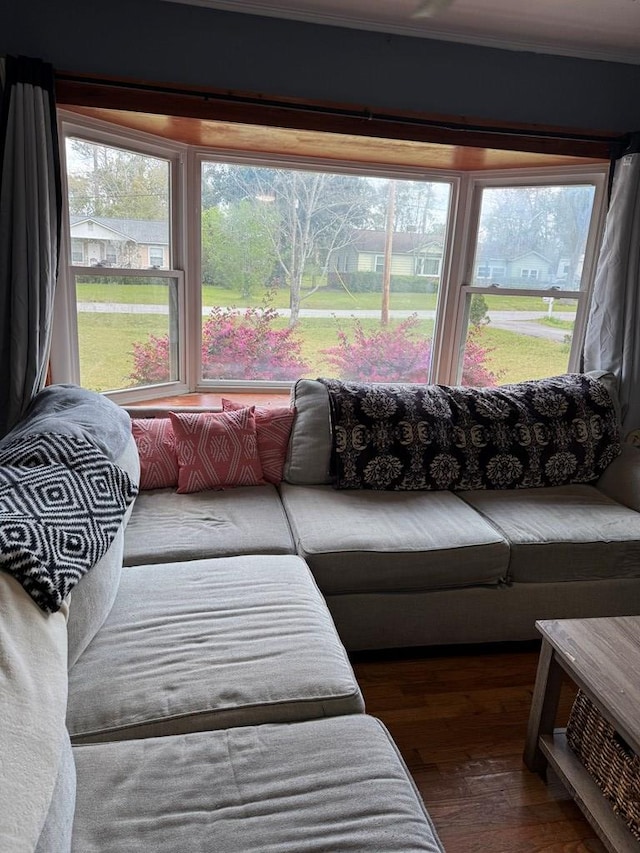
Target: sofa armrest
(621, 480)
(93, 597)
(33, 705)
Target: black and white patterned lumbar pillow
(61, 504)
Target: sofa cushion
(382, 541)
(563, 533)
(312, 787)
(216, 450)
(166, 526)
(211, 644)
(309, 455)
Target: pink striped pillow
(273, 428)
(156, 445)
(216, 450)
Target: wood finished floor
(459, 718)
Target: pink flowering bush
(397, 354)
(243, 345)
(151, 360)
(474, 369)
(236, 344)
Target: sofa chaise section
(210, 644)
(323, 785)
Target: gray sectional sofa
(199, 702)
(192, 689)
(413, 568)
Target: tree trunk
(294, 296)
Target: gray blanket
(74, 411)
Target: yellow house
(411, 253)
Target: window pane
(127, 331)
(118, 207)
(514, 338)
(314, 273)
(532, 237)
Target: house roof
(149, 231)
(528, 254)
(404, 242)
(483, 258)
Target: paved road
(522, 322)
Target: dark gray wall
(172, 42)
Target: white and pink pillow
(156, 444)
(273, 428)
(216, 450)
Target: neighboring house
(570, 272)
(411, 254)
(530, 269)
(138, 243)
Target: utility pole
(388, 247)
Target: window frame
(65, 357)
(455, 266)
(421, 262)
(158, 249)
(80, 252)
(202, 155)
(450, 332)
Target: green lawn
(556, 323)
(106, 347)
(518, 357)
(329, 300)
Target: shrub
(396, 354)
(243, 345)
(478, 309)
(151, 362)
(474, 369)
(235, 345)
(371, 282)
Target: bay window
(194, 269)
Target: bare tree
(317, 213)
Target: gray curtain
(612, 340)
(30, 218)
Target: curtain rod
(619, 143)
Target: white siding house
(98, 241)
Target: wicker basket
(612, 764)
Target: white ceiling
(592, 29)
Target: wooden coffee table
(602, 657)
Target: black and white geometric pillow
(61, 504)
